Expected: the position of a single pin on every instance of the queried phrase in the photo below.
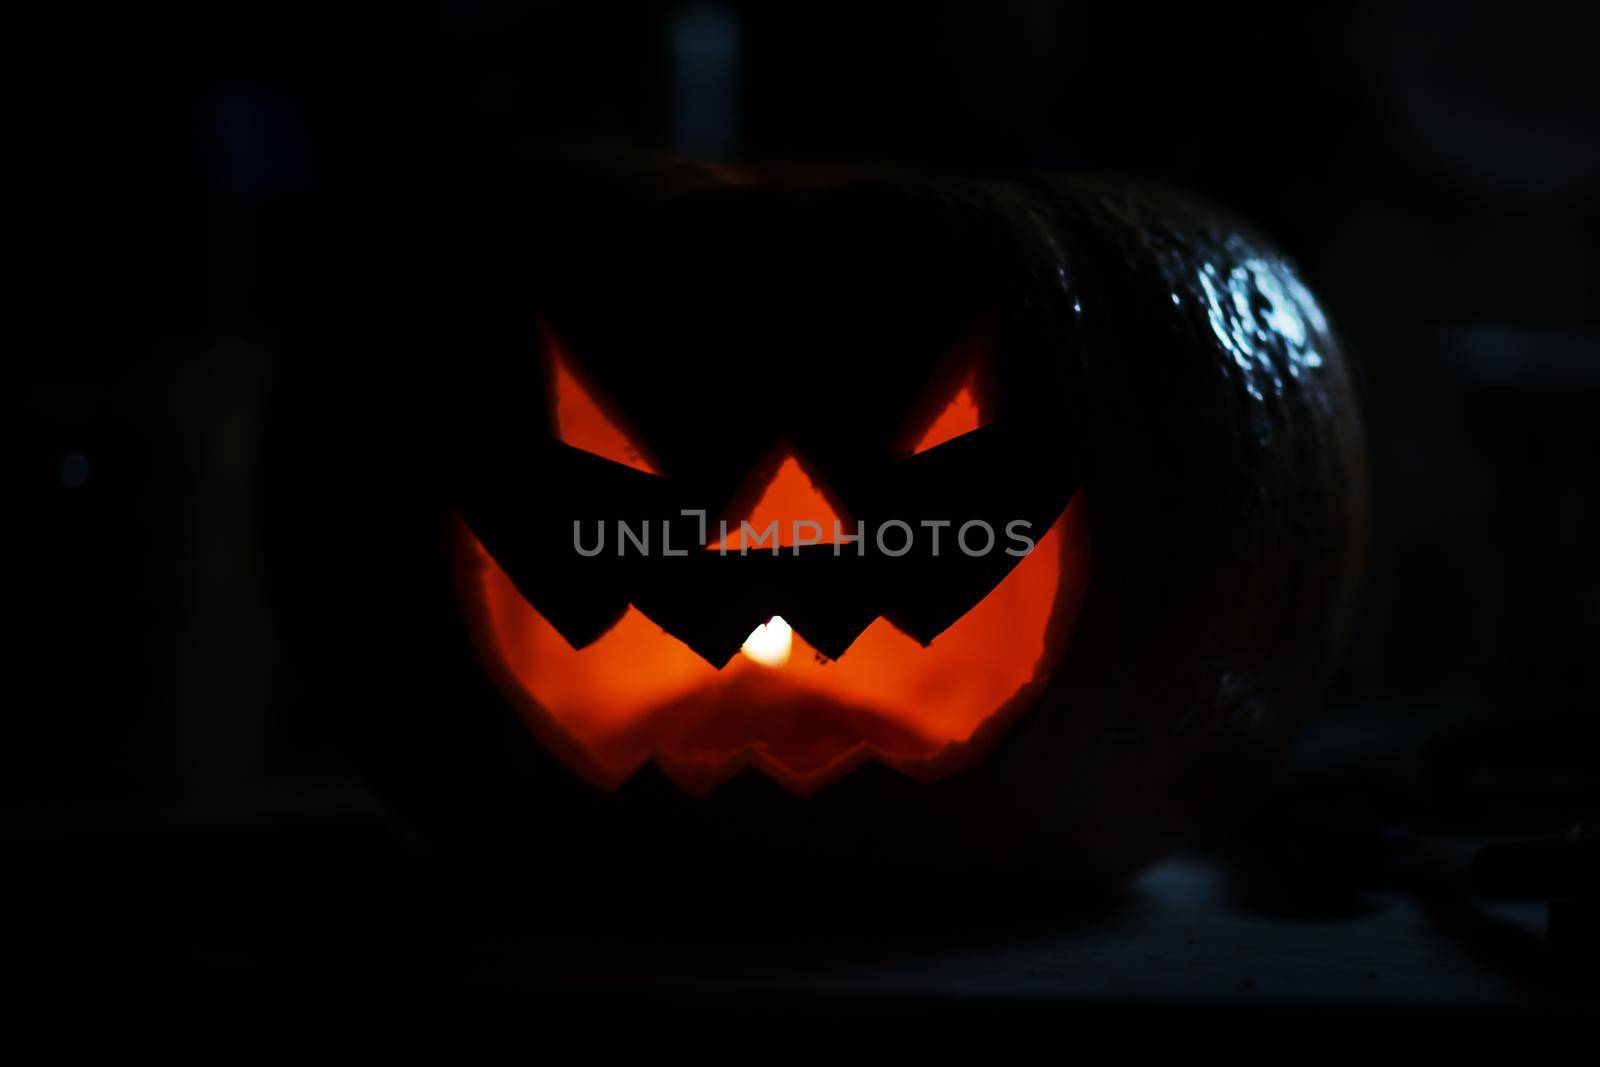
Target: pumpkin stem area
(637, 694)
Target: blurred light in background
(705, 81)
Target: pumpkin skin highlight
(1206, 428)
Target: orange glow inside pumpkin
(578, 418)
(959, 416)
(638, 694)
(789, 494)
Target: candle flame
(769, 644)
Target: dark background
(1433, 168)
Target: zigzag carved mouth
(638, 694)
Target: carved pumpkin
(860, 639)
(598, 585)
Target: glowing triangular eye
(956, 402)
(578, 417)
(959, 416)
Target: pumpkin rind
(1213, 433)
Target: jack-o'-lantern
(817, 520)
(786, 635)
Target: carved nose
(782, 504)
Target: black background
(1433, 168)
